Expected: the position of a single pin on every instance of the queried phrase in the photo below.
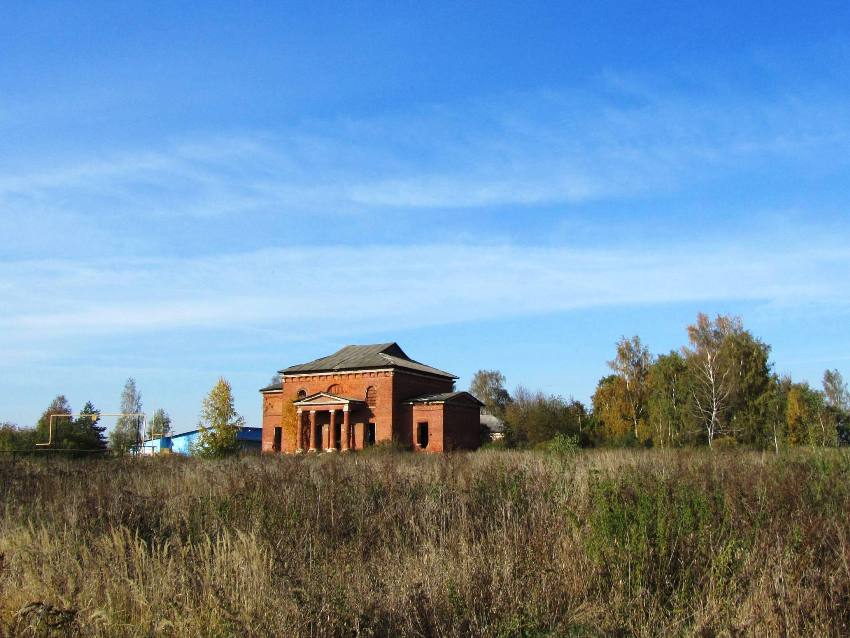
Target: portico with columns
(324, 423)
(365, 395)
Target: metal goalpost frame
(96, 416)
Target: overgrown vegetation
(585, 543)
(220, 423)
(719, 389)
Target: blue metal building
(249, 438)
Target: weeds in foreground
(638, 542)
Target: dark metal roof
(277, 385)
(444, 397)
(380, 355)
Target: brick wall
(272, 410)
(451, 426)
(390, 417)
(432, 414)
(462, 429)
(408, 386)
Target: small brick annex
(363, 395)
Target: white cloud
(532, 148)
(377, 288)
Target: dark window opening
(278, 436)
(371, 396)
(302, 393)
(422, 430)
(370, 434)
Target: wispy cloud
(399, 287)
(533, 148)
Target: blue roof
(182, 442)
(243, 430)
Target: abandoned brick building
(362, 395)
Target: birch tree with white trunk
(714, 373)
(632, 365)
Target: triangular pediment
(325, 398)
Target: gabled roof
(380, 355)
(446, 397)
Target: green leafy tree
(669, 401)
(837, 409)
(159, 425)
(773, 406)
(748, 359)
(810, 420)
(14, 438)
(835, 391)
(86, 432)
(126, 433)
(611, 411)
(802, 425)
(59, 406)
(220, 423)
(489, 387)
(81, 433)
(69, 434)
(532, 418)
(581, 418)
(632, 364)
(713, 371)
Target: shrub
(563, 444)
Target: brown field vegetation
(622, 542)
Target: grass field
(643, 543)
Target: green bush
(563, 444)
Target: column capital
(345, 408)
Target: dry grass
(484, 544)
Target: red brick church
(362, 395)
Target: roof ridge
(366, 356)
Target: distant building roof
(445, 397)
(492, 423)
(381, 355)
(277, 385)
(244, 428)
(246, 432)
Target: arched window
(371, 396)
(335, 389)
(302, 393)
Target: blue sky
(188, 192)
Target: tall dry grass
(485, 544)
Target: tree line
(719, 389)
(83, 433)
